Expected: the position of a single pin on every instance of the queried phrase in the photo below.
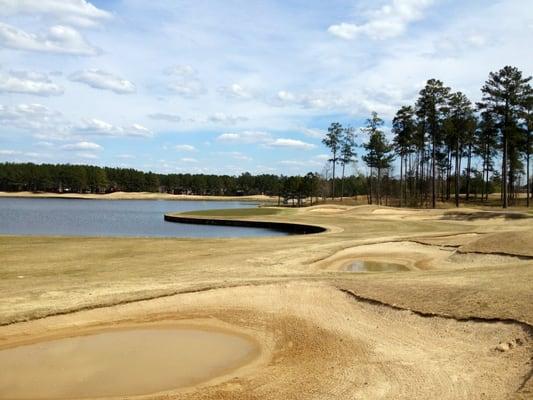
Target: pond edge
(289, 227)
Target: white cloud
(99, 79)
(165, 117)
(286, 96)
(234, 91)
(181, 70)
(28, 83)
(184, 81)
(245, 137)
(389, 21)
(236, 155)
(137, 130)
(187, 88)
(185, 147)
(313, 133)
(29, 116)
(15, 153)
(82, 146)
(318, 99)
(58, 39)
(264, 138)
(75, 12)
(290, 143)
(222, 118)
(9, 152)
(189, 160)
(101, 128)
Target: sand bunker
(120, 362)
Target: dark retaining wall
(278, 226)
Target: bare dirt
(457, 325)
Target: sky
(229, 86)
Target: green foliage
(378, 150)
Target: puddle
(375, 266)
(120, 363)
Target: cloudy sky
(232, 86)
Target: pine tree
(378, 152)
(460, 131)
(485, 147)
(504, 95)
(404, 129)
(333, 141)
(430, 109)
(347, 152)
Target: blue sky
(232, 86)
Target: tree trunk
(468, 167)
(342, 181)
(333, 180)
(378, 189)
(505, 200)
(401, 179)
(457, 172)
(370, 187)
(433, 193)
(448, 174)
(528, 183)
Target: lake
(143, 218)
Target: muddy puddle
(120, 362)
(375, 266)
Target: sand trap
(135, 361)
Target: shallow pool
(375, 266)
(120, 362)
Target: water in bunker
(375, 266)
(120, 363)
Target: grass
(236, 212)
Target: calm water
(120, 363)
(74, 217)
(375, 266)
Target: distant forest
(447, 149)
(64, 178)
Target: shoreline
(288, 227)
(136, 196)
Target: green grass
(236, 212)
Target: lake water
(75, 217)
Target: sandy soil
(138, 196)
(457, 325)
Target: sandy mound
(513, 243)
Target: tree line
(445, 146)
(65, 178)
(437, 140)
